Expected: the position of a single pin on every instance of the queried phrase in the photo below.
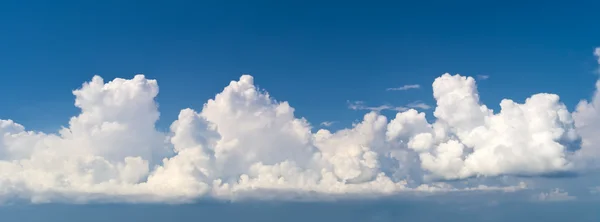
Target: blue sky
(313, 54)
(370, 211)
(319, 56)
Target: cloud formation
(243, 142)
(404, 87)
(468, 139)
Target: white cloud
(243, 142)
(555, 195)
(468, 139)
(587, 122)
(586, 118)
(404, 87)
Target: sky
(379, 111)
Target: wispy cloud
(327, 123)
(418, 105)
(555, 195)
(360, 105)
(483, 77)
(404, 87)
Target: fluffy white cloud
(468, 139)
(587, 122)
(243, 143)
(112, 142)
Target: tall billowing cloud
(468, 139)
(244, 142)
(587, 121)
(110, 143)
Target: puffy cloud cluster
(468, 139)
(243, 142)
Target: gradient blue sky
(315, 54)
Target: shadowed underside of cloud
(245, 144)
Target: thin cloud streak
(327, 123)
(360, 105)
(404, 87)
(483, 77)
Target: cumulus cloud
(404, 87)
(240, 142)
(587, 122)
(243, 143)
(468, 139)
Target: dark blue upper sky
(311, 53)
